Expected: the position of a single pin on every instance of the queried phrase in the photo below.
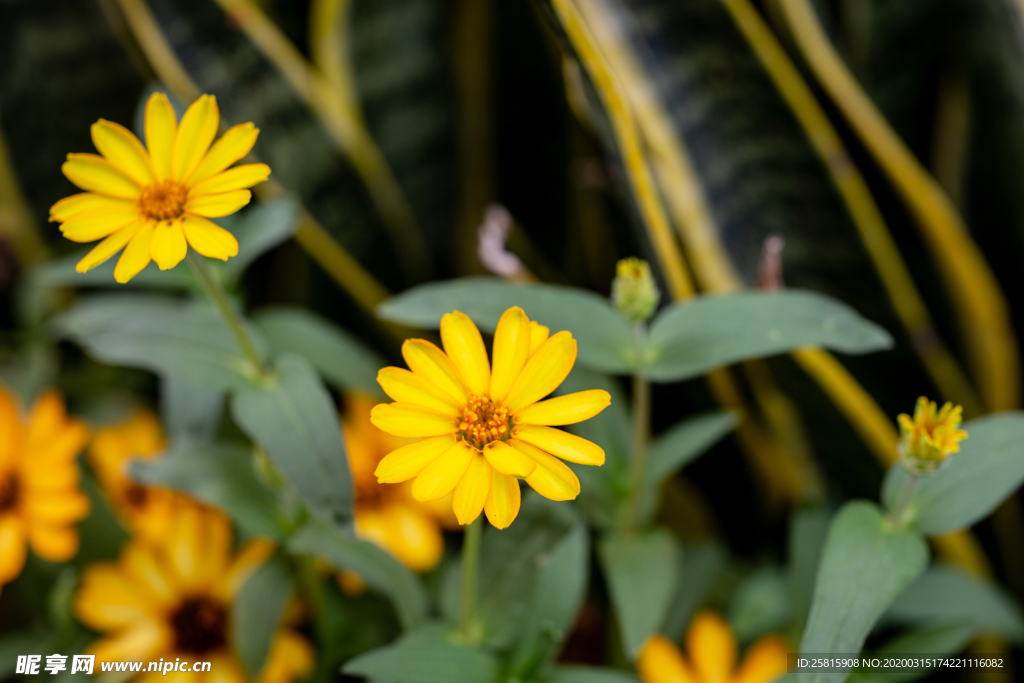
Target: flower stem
(215, 290)
(638, 452)
(469, 629)
(900, 514)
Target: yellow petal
(503, 499)
(562, 444)
(660, 661)
(409, 534)
(108, 247)
(142, 567)
(237, 178)
(89, 226)
(161, 127)
(711, 646)
(143, 640)
(545, 370)
(407, 387)
(538, 335)
(552, 479)
(430, 363)
(217, 205)
(108, 599)
(136, 254)
(508, 460)
(196, 132)
(565, 410)
(440, 477)
(58, 508)
(184, 549)
(209, 239)
(408, 461)
(12, 548)
(511, 350)
(94, 173)
(236, 142)
(54, 543)
(766, 660)
(471, 492)
(85, 201)
(465, 347)
(409, 419)
(168, 246)
(121, 148)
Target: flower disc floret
(482, 421)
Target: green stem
(468, 626)
(215, 290)
(641, 437)
(900, 515)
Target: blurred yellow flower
(155, 202)
(388, 515)
(932, 435)
(481, 428)
(39, 496)
(711, 656)
(172, 600)
(145, 510)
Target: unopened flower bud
(931, 436)
(634, 293)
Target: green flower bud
(634, 293)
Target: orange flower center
(9, 490)
(200, 625)
(163, 201)
(483, 421)
(135, 495)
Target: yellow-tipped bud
(931, 436)
(634, 293)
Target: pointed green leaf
(257, 610)
(684, 441)
(418, 662)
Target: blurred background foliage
(397, 123)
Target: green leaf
(971, 483)
(420, 662)
(61, 273)
(190, 413)
(337, 355)
(574, 673)
(702, 565)
(373, 564)
(291, 415)
(946, 639)
(944, 594)
(684, 441)
(220, 475)
(641, 572)
(257, 610)
(759, 605)
(259, 229)
(865, 564)
(186, 341)
(808, 529)
(559, 591)
(707, 332)
(604, 338)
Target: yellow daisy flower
(932, 435)
(39, 496)
(480, 427)
(389, 515)
(711, 656)
(171, 600)
(144, 510)
(155, 202)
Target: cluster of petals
(933, 434)
(484, 426)
(156, 201)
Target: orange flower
(145, 510)
(388, 515)
(711, 656)
(39, 496)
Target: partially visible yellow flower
(483, 428)
(156, 200)
(172, 600)
(711, 653)
(634, 292)
(389, 515)
(145, 510)
(39, 496)
(932, 435)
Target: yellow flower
(483, 427)
(711, 656)
(39, 496)
(172, 599)
(156, 202)
(145, 510)
(388, 515)
(932, 435)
